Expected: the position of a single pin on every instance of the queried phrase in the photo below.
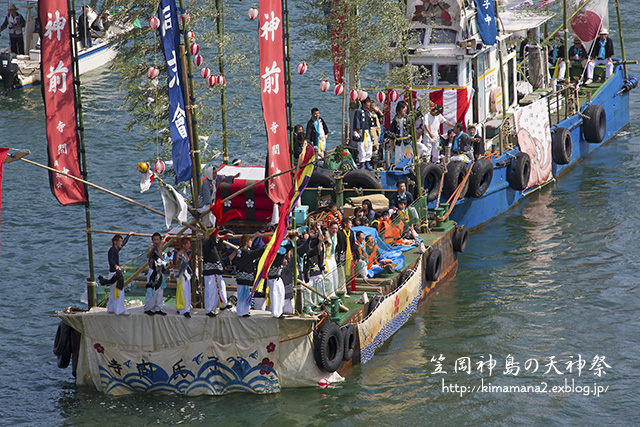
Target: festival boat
(200, 354)
(535, 127)
(17, 71)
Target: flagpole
(91, 286)
(223, 105)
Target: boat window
(416, 36)
(442, 36)
(425, 75)
(447, 75)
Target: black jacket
(393, 200)
(211, 256)
(608, 49)
(341, 246)
(312, 135)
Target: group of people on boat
(602, 52)
(88, 28)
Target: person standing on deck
(182, 261)
(208, 192)
(401, 193)
(317, 132)
(399, 132)
(331, 242)
(313, 251)
(361, 135)
(431, 123)
(16, 23)
(115, 279)
(601, 53)
(347, 253)
(274, 280)
(215, 290)
(84, 29)
(244, 260)
(153, 300)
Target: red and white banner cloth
(58, 92)
(534, 138)
(455, 104)
(587, 23)
(272, 93)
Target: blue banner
(170, 39)
(487, 22)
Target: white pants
(115, 305)
(215, 292)
(592, 65)
(288, 306)
(432, 147)
(365, 147)
(316, 282)
(153, 302)
(242, 307)
(276, 296)
(260, 304)
(185, 287)
(331, 278)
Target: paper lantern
(191, 36)
(301, 68)
(393, 96)
(338, 90)
(205, 73)
(195, 48)
(362, 95)
(198, 60)
(221, 80)
(159, 166)
(380, 97)
(187, 18)
(153, 72)
(323, 383)
(354, 95)
(253, 13)
(212, 80)
(154, 22)
(325, 85)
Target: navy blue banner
(170, 39)
(487, 22)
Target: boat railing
(562, 104)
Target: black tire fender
(376, 300)
(520, 171)
(456, 171)
(322, 178)
(431, 175)
(480, 178)
(562, 146)
(433, 265)
(349, 338)
(595, 126)
(459, 239)
(362, 178)
(328, 347)
(62, 347)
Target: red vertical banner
(58, 92)
(272, 93)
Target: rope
(453, 199)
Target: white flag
(174, 204)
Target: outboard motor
(9, 72)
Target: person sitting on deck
(401, 194)
(407, 215)
(153, 300)
(556, 56)
(601, 53)
(116, 279)
(367, 210)
(182, 264)
(478, 141)
(215, 290)
(244, 260)
(461, 144)
(577, 53)
(334, 215)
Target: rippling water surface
(555, 277)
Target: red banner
(272, 92)
(58, 92)
(338, 39)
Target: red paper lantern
(154, 22)
(153, 72)
(323, 383)
(195, 48)
(362, 95)
(159, 166)
(325, 85)
(338, 90)
(191, 36)
(393, 96)
(221, 80)
(354, 95)
(205, 73)
(380, 97)
(212, 80)
(301, 68)
(187, 18)
(198, 60)
(253, 13)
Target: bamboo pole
(133, 233)
(624, 56)
(109, 192)
(223, 105)
(300, 282)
